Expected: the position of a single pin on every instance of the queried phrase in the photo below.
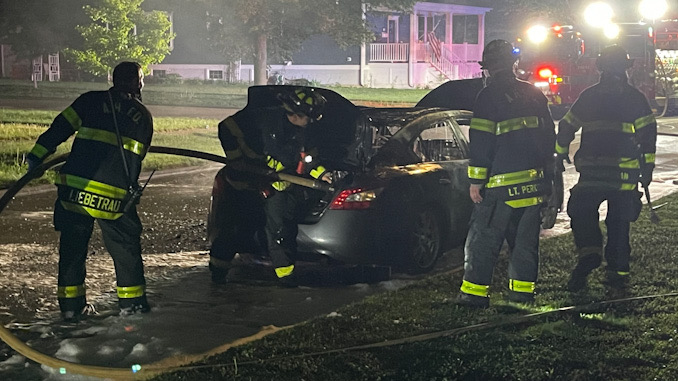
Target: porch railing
(389, 52)
(453, 65)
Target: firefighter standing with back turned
(618, 143)
(100, 182)
(271, 138)
(511, 169)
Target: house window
(465, 29)
(159, 73)
(216, 74)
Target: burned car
(400, 196)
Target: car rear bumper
(344, 235)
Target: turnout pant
(282, 216)
(239, 217)
(122, 240)
(623, 207)
(492, 222)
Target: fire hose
(136, 372)
(139, 372)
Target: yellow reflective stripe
(649, 157)
(233, 128)
(91, 186)
(474, 289)
(110, 138)
(626, 162)
(521, 286)
(572, 119)
(318, 171)
(517, 124)
(561, 150)
(280, 185)
(282, 272)
(608, 125)
(72, 117)
(131, 292)
(525, 202)
(274, 164)
(483, 125)
(478, 173)
(71, 291)
(96, 213)
(39, 151)
(644, 121)
(627, 186)
(513, 178)
(623, 273)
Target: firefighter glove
(560, 158)
(32, 162)
(646, 176)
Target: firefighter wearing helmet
(99, 182)
(259, 214)
(617, 150)
(511, 140)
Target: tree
(121, 31)
(256, 28)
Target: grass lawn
(209, 94)
(628, 339)
(19, 130)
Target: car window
(438, 143)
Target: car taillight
(354, 199)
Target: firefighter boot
(472, 301)
(589, 260)
(130, 306)
(219, 270)
(616, 280)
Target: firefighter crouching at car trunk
(99, 181)
(510, 171)
(272, 138)
(618, 142)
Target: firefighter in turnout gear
(99, 181)
(511, 169)
(274, 138)
(617, 150)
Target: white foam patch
(68, 351)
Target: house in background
(434, 43)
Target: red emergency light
(545, 72)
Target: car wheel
(422, 252)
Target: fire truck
(559, 61)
